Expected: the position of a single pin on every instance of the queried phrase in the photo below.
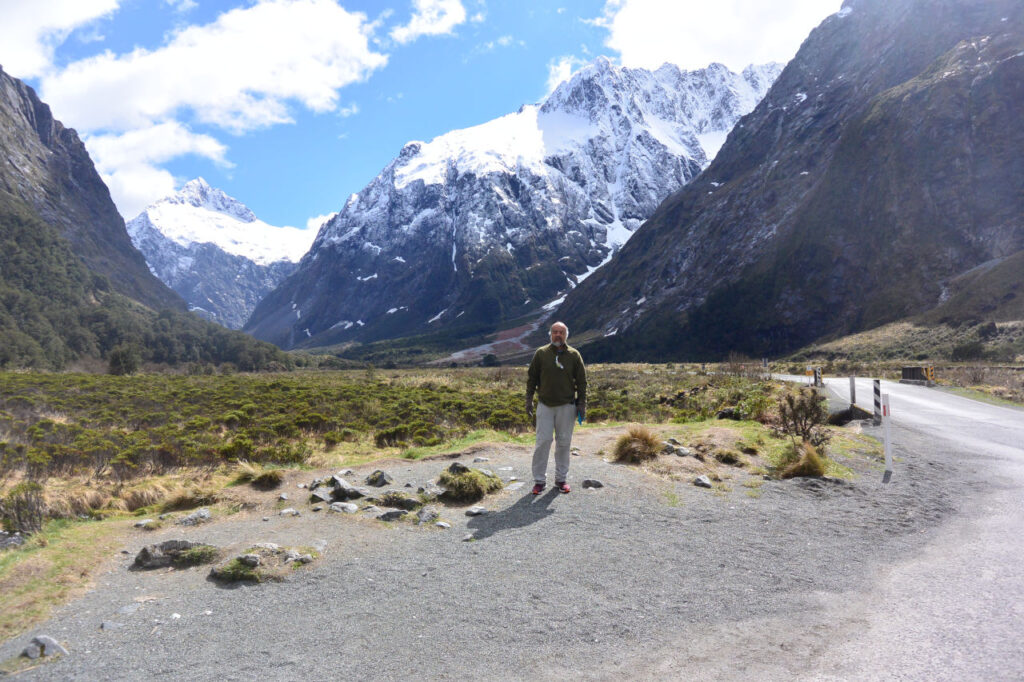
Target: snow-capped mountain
(213, 251)
(484, 224)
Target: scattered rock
(111, 625)
(398, 499)
(592, 483)
(672, 441)
(266, 518)
(259, 563)
(458, 468)
(476, 510)
(316, 483)
(291, 555)
(201, 515)
(143, 523)
(379, 479)
(129, 609)
(515, 485)
(344, 491)
(11, 540)
(431, 490)
(729, 413)
(343, 507)
(43, 645)
(321, 495)
(486, 472)
(477, 460)
(164, 554)
(372, 509)
(317, 508)
(469, 538)
(305, 559)
(289, 512)
(283, 496)
(164, 517)
(393, 515)
(300, 485)
(346, 472)
(443, 524)
(273, 547)
(504, 468)
(702, 482)
(428, 514)
(574, 451)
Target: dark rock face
(46, 166)
(485, 224)
(885, 161)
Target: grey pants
(556, 421)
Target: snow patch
(398, 259)
(711, 142)
(844, 12)
(367, 279)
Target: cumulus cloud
(694, 33)
(129, 162)
(237, 73)
(31, 31)
(430, 18)
(561, 69)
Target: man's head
(559, 333)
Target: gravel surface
(644, 578)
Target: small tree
(124, 359)
(801, 412)
(23, 508)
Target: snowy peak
(200, 214)
(199, 194)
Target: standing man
(560, 380)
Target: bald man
(559, 378)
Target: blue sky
(292, 105)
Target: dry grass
(638, 444)
(143, 495)
(189, 499)
(810, 464)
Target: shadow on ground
(529, 509)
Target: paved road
(957, 610)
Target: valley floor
(646, 578)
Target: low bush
(196, 556)
(23, 508)
(638, 444)
(268, 480)
(801, 411)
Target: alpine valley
(483, 225)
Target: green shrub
(23, 509)
(395, 436)
(123, 360)
(196, 556)
(468, 486)
(801, 411)
(638, 444)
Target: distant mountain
(484, 224)
(46, 166)
(213, 251)
(885, 163)
(72, 287)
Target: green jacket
(557, 383)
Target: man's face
(558, 334)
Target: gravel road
(645, 578)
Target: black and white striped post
(878, 402)
(886, 418)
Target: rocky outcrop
(46, 166)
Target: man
(560, 380)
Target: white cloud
(561, 69)
(694, 33)
(237, 73)
(316, 221)
(350, 110)
(31, 30)
(430, 18)
(182, 5)
(129, 162)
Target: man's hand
(581, 410)
(529, 406)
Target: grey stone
(673, 441)
(321, 495)
(305, 559)
(469, 538)
(300, 485)
(164, 517)
(477, 460)
(266, 518)
(128, 609)
(702, 482)
(143, 523)
(729, 413)
(486, 472)
(443, 524)
(11, 540)
(270, 546)
(344, 491)
(343, 507)
(49, 645)
(290, 512)
(291, 555)
(317, 508)
(346, 472)
(516, 485)
(32, 651)
(592, 483)
(684, 452)
(111, 625)
(316, 483)
(458, 468)
(379, 479)
(395, 498)
(409, 485)
(201, 515)
(283, 496)
(250, 560)
(393, 515)
(372, 509)
(504, 468)
(431, 490)
(163, 554)
(476, 510)
(428, 514)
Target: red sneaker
(563, 486)
(538, 488)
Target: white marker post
(853, 392)
(886, 418)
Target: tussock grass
(196, 556)
(143, 495)
(810, 464)
(189, 499)
(638, 444)
(468, 486)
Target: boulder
(702, 482)
(476, 510)
(201, 515)
(393, 515)
(163, 554)
(592, 483)
(321, 494)
(343, 507)
(428, 514)
(379, 479)
(458, 468)
(49, 645)
(250, 560)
